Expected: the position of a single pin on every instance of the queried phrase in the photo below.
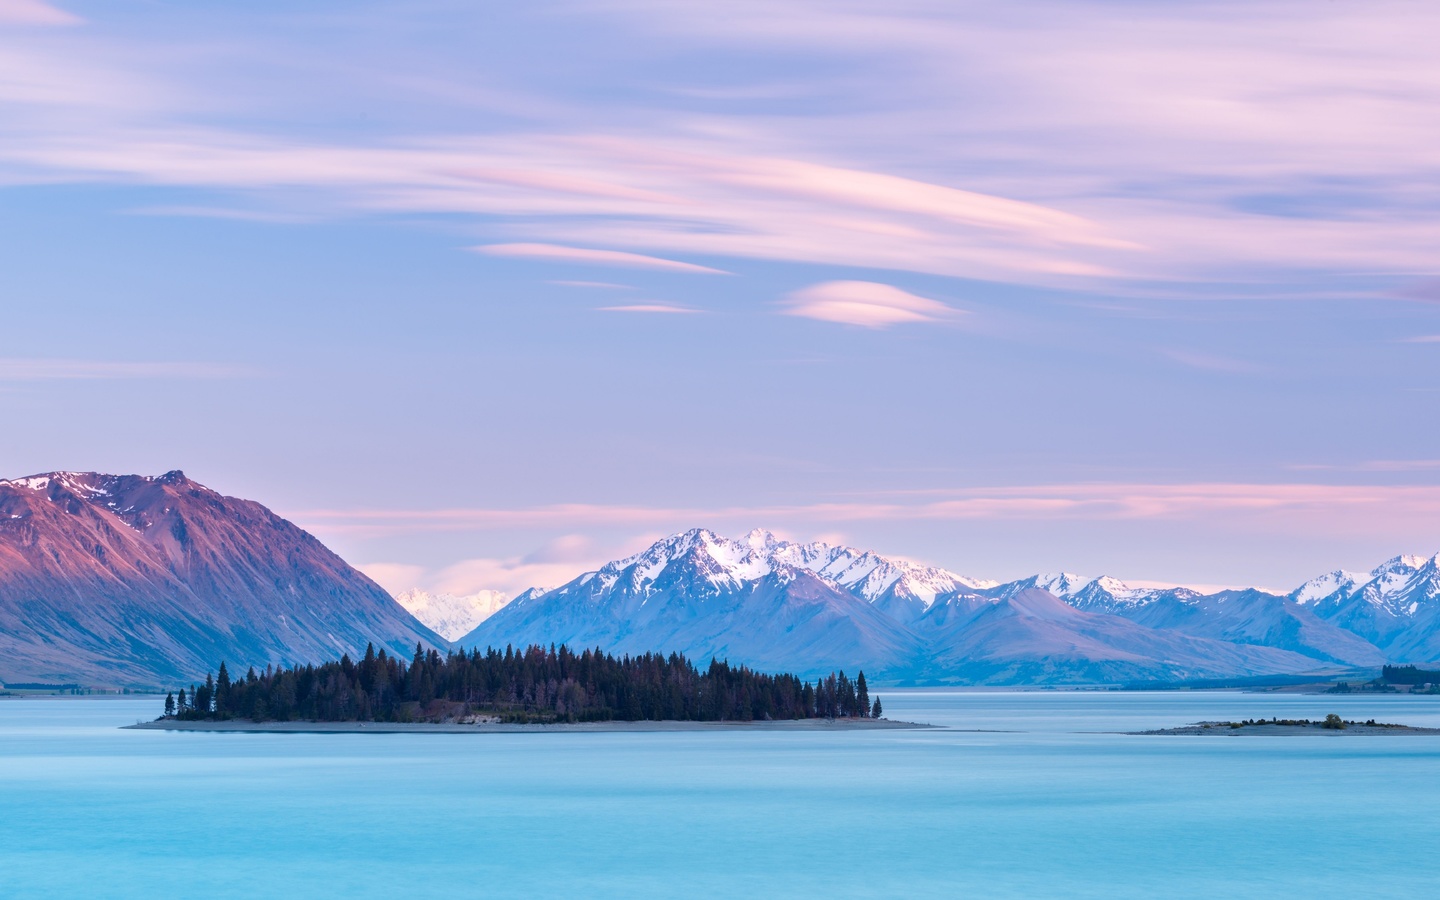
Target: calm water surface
(1044, 804)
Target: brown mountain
(138, 580)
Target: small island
(1330, 725)
(533, 689)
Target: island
(532, 689)
(1330, 725)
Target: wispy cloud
(1311, 508)
(221, 212)
(599, 285)
(1373, 465)
(1211, 363)
(663, 308)
(588, 256)
(962, 139)
(34, 12)
(864, 303)
(550, 565)
(82, 369)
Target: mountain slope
(1033, 636)
(1255, 617)
(706, 596)
(1396, 606)
(812, 607)
(127, 579)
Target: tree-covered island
(531, 686)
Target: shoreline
(1314, 729)
(240, 726)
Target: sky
(486, 294)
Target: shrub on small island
(1333, 722)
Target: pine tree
(875, 710)
(222, 692)
(862, 694)
(183, 706)
(170, 704)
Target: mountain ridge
(1244, 632)
(151, 580)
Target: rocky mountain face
(448, 615)
(765, 602)
(137, 580)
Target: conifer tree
(222, 691)
(875, 710)
(170, 704)
(862, 694)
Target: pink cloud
(649, 308)
(864, 303)
(34, 12)
(1306, 508)
(593, 257)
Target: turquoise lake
(1047, 804)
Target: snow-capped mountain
(1103, 594)
(757, 601)
(450, 616)
(898, 587)
(1396, 606)
(763, 601)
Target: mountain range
(138, 580)
(772, 603)
(143, 581)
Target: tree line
(1408, 675)
(533, 685)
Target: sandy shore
(1223, 729)
(243, 726)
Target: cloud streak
(589, 256)
(1057, 145)
(864, 303)
(14, 369)
(1309, 507)
(34, 12)
(661, 308)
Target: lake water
(1049, 806)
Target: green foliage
(1409, 675)
(534, 685)
(1333, 722)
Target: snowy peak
(725, 564)
(1328, 585)
(451, 616)
(1399, 587)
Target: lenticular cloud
(868, 304)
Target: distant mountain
(450, 616)
(1254, 617)
(129, 579)
(1396, 606)
(810, 607)
(759, 602)
(1032, 636)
